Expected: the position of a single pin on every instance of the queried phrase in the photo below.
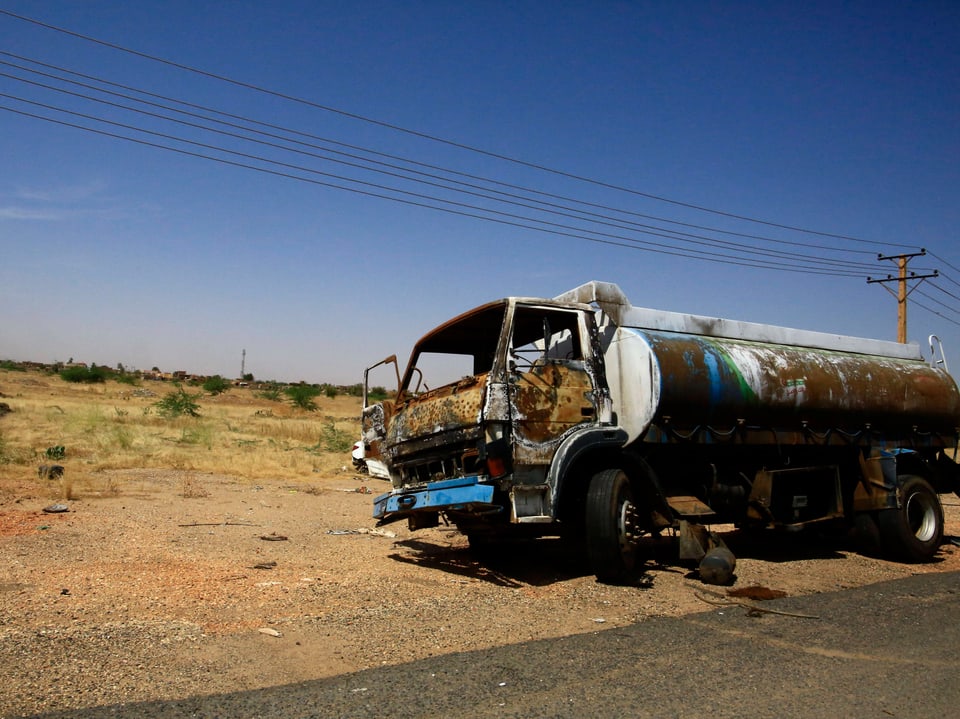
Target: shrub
(354, 390)
(88, 375)
(55, 452)
(335, 440)
(330, 391)
(377, 394)
(216, 385)
(11, 366)
(271, 391)
(177, 404)
(302, 396)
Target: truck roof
(611, 300)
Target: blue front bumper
(463, 494)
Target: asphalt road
(888, 650)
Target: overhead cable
(423, 135)
(554, 230)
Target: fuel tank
(686, 381)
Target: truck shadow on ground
(773, 546)
(533, 562)
(777, 546)
(545, 561)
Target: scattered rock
(270, 632)
(4, 408)
(56, 509)
(273, 537)
(50, 471)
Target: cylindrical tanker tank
(687, 380)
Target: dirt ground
(187, 584)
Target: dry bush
(110, 426)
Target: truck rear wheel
(914, 531)
(611, 526)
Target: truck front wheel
(914, 531)
(611, 526)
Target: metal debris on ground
(273, 537)
(364, 530)
(270, 632)
(753, 610)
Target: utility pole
(902, 292)
(243, 364)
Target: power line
(804, 263)
(628, 243)
(937, 287)
(426, 136)
(550, 208)
(936, 301)
(934, 312)
(760, 256)
(368, 151)
(604, 220)
(939, 258)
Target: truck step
(690, 507)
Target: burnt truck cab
(522, 380)
(588, 417)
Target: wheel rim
(626, 528)
(921, 516)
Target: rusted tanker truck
(586, 417)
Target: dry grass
(117, 426)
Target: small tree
(333, 439)
(216, 385)
(177, 404)
(302, 396)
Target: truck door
(551, 389)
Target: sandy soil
(188, 584)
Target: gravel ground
(185, 584)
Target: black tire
(914, 531)
(610, 518)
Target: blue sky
(842, 118)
